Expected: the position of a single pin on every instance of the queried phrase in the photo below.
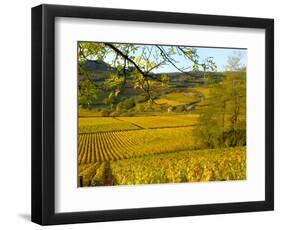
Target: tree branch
(125, 56)
(166, 56)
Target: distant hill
(96, 65)
(102, 69)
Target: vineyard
(105, 140)
(150, 122)
(106, 146)
(185, 166)
(108, 124)
(153, 147)
(151, 150)
(103, 124)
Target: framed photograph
(143, 114)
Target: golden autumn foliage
(99, 147)
(185, 166)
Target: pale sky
(220, 57)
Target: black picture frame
(43, 114)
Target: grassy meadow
(136, 126)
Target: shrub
(104, 113)
(140, 99)
(119, 107)
(139, 108)
(235, 137)
(128, 103)
(180, 108)
(171, 109)
(125, 105)
(114, 114)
